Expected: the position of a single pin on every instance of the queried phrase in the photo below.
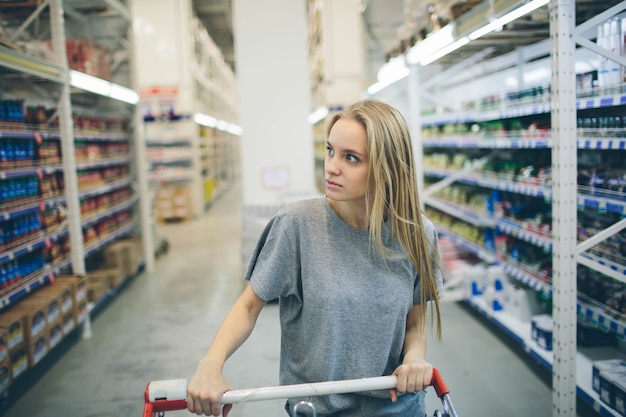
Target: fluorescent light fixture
(497, 24)
(205, 120)
(318, 115)
(90, 83)
(124, 94)
(224, 126)
(393, 71)
(221, 125)
(102, 87)
(234, 129)
(445, 51)
(433, 42)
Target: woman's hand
(204, 392)
(412, 377)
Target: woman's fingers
(414, 376)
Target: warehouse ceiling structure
(392, 27)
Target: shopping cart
(170, 395)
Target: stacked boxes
(85, 56)
(34, 313)
(173, 203)
(121, 260)
(34, 326)
(609, 381)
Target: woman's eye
(352, 158)
(329, 150)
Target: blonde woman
(353, 271)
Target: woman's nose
(330, 166)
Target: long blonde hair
(394, 196)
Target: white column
(141, 167)
(563, 206)
(66, 127)
(344, 54)
(274, 99)
(274, 102)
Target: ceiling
(381, 18)
(392, 26)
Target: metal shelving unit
(465, 66)
(50, 82)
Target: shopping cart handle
(169, 395)
(438, 384)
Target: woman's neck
(353, 214)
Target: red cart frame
(170, 395)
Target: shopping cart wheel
(440, 414)
(309, 409)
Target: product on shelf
(541, 330)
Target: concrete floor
(160, 325)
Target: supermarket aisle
(160, 325)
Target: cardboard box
(13, 325)
(96, 290)
(68, 323)
(62, 291)
(34, 314)
(541, 330)
(78, 286)
(609, 380)
(605, 366)
(111, 277)
(620, 397)
(55, 334)
(5, 375)
(50, 301)
(122, 255)
(4, 347)
(19, 361)
(37, 348)
(81, 312)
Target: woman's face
(346, 163)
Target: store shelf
(101, 137)
(104, 163)
(490, 180)
(460, 212)
(29, 172)
(515, 229)
(603, 266)
(461, 141)
(112, 186)
(23, 63)
(29, 246)
(26, 286)
(94, 219)
(520, 332)
(18, 211)
(103, 242)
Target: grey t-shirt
(343, 307)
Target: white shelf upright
(66, 127)
(564, 205)
(141, 162)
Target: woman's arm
(207, 385)
(414, 374)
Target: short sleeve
(435, 262)
(273, 270)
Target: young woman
(353, 272)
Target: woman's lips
(332, 184)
